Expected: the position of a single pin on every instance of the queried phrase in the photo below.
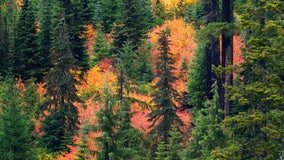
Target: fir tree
(62, 121)
(207, 133)
(78, 15)
(133, 21)
(107, 124)
(105, 13)
(27, 63)
(164, 115)
(257, 131)
(101, 49)
(16, 126)
(45, 35)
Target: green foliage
(105, 13)
(61, 123)
(196, 84)
(172, 150)
(45, 35)
(101, 49)
(84, 152)
(195, 14)
(15, 125)
(207, 133)
(107, 124)
(78, 15)
(27, 64)
(133, 21)
(258, 129)
(31, 100)
(164, 116)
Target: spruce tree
(61, 124)
(27, 64)
(15, 125)
(164, 114)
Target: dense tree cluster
(49, 47)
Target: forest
(141, 80)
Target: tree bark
(227, 54)
(212, 57)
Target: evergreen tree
(133, 21)
(227, 52)
(196, 83)
(45, 35)
(8, 22)
(130, 139)
(174, 145)
(107, 124)
(105, 13)
(61, 123)
(26, 56)
(101, 48)
(16, 126)
(164, 115)
(207, 133)
(172, 150)
(257, 131)
(84, 152)
(78, 14)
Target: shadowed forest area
(141, 79)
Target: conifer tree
(207, 133)
(62, 121)
(26, 56)
(164, 115)
(133, 21)
(8, 24)
(79, 14)
(15, 125)
(227, 52)
(101, 48)
(105, 13)
(45, 35)
(107, 123)
(257, 131)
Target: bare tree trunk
(227, 54)
(212, 57)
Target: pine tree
(62, 121)
(164, 115)
(16, 126)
